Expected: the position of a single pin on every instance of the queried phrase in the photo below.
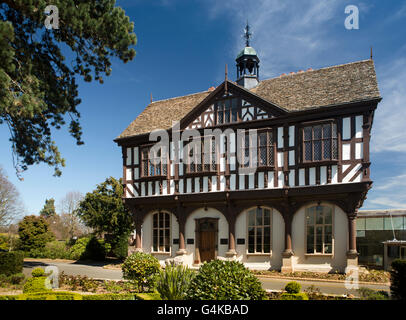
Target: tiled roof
(294, 92)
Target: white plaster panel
(334, 175)
(205, 184)
(271, 178)
(142, 189)
(348, 177)
(222, 164)
(323, 175)
(232, 163)
(280, 137)
(136, 156)
(359, 150)
(128, 175)
(251, 180)
(241, 180)
(232, 142)
(164, 187)
(312, 176)
(346, 128)
(232, 182)
(197, 184)
(291, 178)
(222, 183)
(172, 169)
(157, 189)
(136, 173)
(302, 181)
(172, 186)
(150, 188)
(291, 136)
(292, 157)
(260, 180)
(188, 185)
(358, 126)
(213, 183)
(129, 157)
(181, 185)
(346, 154)
(280, 179)
(280, 159)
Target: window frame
(303, 141)
(161, 164)
(203, 170)
(263, 226)
(323, 253)
(158, 228)
(269, 147)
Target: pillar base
(352, 262)
(231, 253)
(287, 262)
(181, 252)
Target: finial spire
(371, 53)
(247, 35)
(225, 80)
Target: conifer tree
(38, 84)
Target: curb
(322, 280)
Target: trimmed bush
(109, 296)
(35, 284)
(173, 283)
(120, 247)
(34, 233)
(89, 249)
(11, 262)
(293, 287)
(38, 272)
(398, 279)
(294, 296)
(225, 280)
(60, 295)
(142, 269)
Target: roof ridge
(314, 70)
(187, 95)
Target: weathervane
(247, 35)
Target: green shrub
(34, 233)
(293, 287)
(4, 243)
(11, 262)
(120, 247)
(38, 272)
(173, 283)
(142, 269)
(225, 280)
(89, 249)
(109, 296)
(17, 278)
(294, 296)
(398, 279)
(35, 284)
(148, 296)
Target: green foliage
(34, 233)
(11, 280)
(95, 249)
(148, 296)
(142, 269)
(225, 280)
(120, 246)
(38, 86)
(104, 211)
(173, 282)
(48, 210)
(398, 279)
(37, 272)
(370, 294)
(294, 296)
(60, 295)
(11, 262)
(4, 243)
(35, 284)
(293, 287)
(109, 296)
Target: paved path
(95, 270)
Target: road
(96, 271)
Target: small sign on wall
(175, 241)
(240, 241)
(190, 241)
(224, 241)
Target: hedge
(61, 295)
(398, 279)
(11, 262)
(294, 296)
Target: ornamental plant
(225, 280)
(173, 283)
(37, 282)
(398, 279)
(293, 292)
(142, 269)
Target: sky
(183, 47)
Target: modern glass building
(374, 227)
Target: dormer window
(320, 142)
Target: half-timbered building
(297, 210)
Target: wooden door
(207, 246)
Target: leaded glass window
(319, 230)
(320, 142)
(259, 230)
(161, 232)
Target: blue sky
(183, 46)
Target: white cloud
(388, 133)
(287, 34)
(393, 182)
(388, 202)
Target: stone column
(182, 245)
(231, 253)
(352, 254)
(287, 255)
(138, 239)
